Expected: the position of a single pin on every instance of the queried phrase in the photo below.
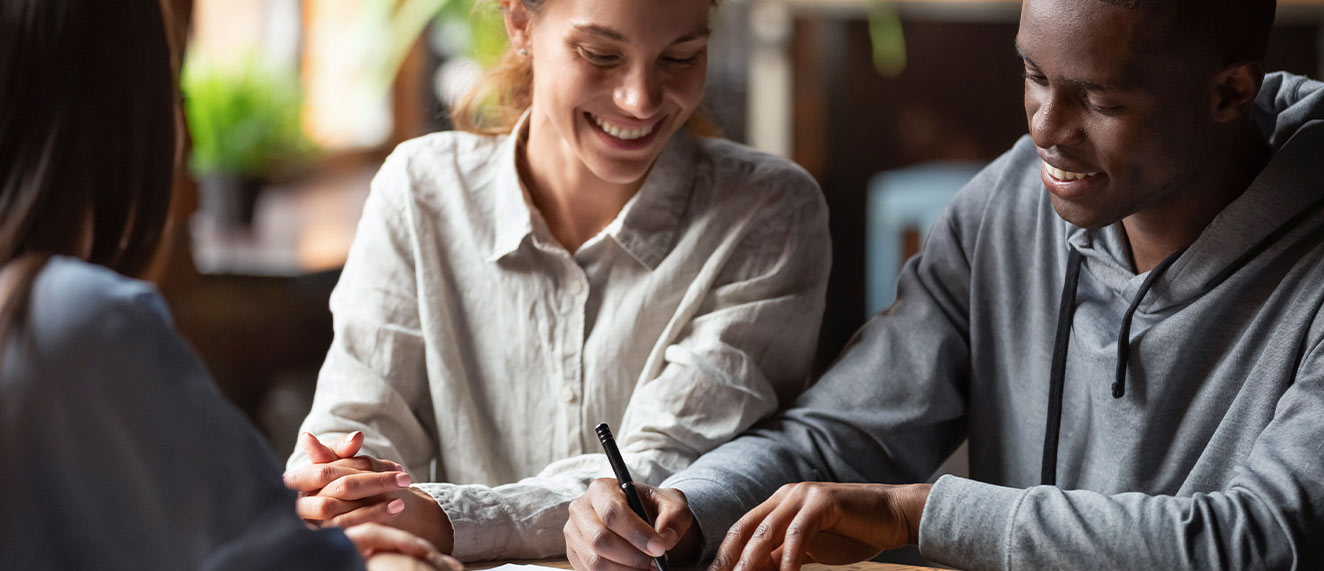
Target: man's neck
(1162, 229)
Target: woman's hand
(816, 522)
(603, 534)
(388, 548)
(343, 489)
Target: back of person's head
(87, 137)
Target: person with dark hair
(1122, 314)
(580, 251)
(119, 452)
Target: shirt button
(568, 393)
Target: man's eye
(681, 60)
(597, 58)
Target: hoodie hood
(1282, 200)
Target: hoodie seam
(1011, 525)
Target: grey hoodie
(1209, 454)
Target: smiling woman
(575, 255)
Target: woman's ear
(517, 24)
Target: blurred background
(293, 104)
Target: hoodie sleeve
(891, 408)
(1266, 517)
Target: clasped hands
(343, 488)
(808, 522)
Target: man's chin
(1080, 215)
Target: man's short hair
(1231, 30)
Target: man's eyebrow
(601, 31)
(1083, 84)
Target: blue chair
(902, 200)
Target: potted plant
(246, 125)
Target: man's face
(1120, 123)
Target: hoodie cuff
(480, 524)
(966, 523)
(715, 510)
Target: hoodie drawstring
(1058, 373)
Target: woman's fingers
(322, 508)
(375, 512)
(362, 485)
(317, 452)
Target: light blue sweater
(117, 451)
(1213, 458)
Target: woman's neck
(576, 204)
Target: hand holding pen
(605, 532)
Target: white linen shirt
(474, 349)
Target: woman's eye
(1034, 77)
(597, 58)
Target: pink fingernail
(350, 437)
(404, 480)
(396, 506)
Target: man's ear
(1235, 89)
(517, 24)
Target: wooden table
(864, 566)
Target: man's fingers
(362, 485)
(322, 508)
(673, 513)
(798, 533)
(602, 542)
(728, 554)
(587, 558)
(609, 503)
(768, 535)
(377, 512)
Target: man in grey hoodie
(1121, 314)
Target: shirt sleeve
(374, 378)
(889, 410)
(749, 345)
(1266, 517)
(136, 458)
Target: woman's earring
(523, 52)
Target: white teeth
(1060, 174)
(622, 133)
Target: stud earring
(523, 52)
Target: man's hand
(816, 522)
(388, 548)
(343, 488)
(603, 534)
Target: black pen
(627, 484)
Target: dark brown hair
(496, 102)
(87, 138)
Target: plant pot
(228, 199)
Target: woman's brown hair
(494, 105)
(87, 138)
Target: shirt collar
(646, 227)
(512, 210)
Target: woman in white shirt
(583, 256)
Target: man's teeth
(620, 132)
(1060, 174)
